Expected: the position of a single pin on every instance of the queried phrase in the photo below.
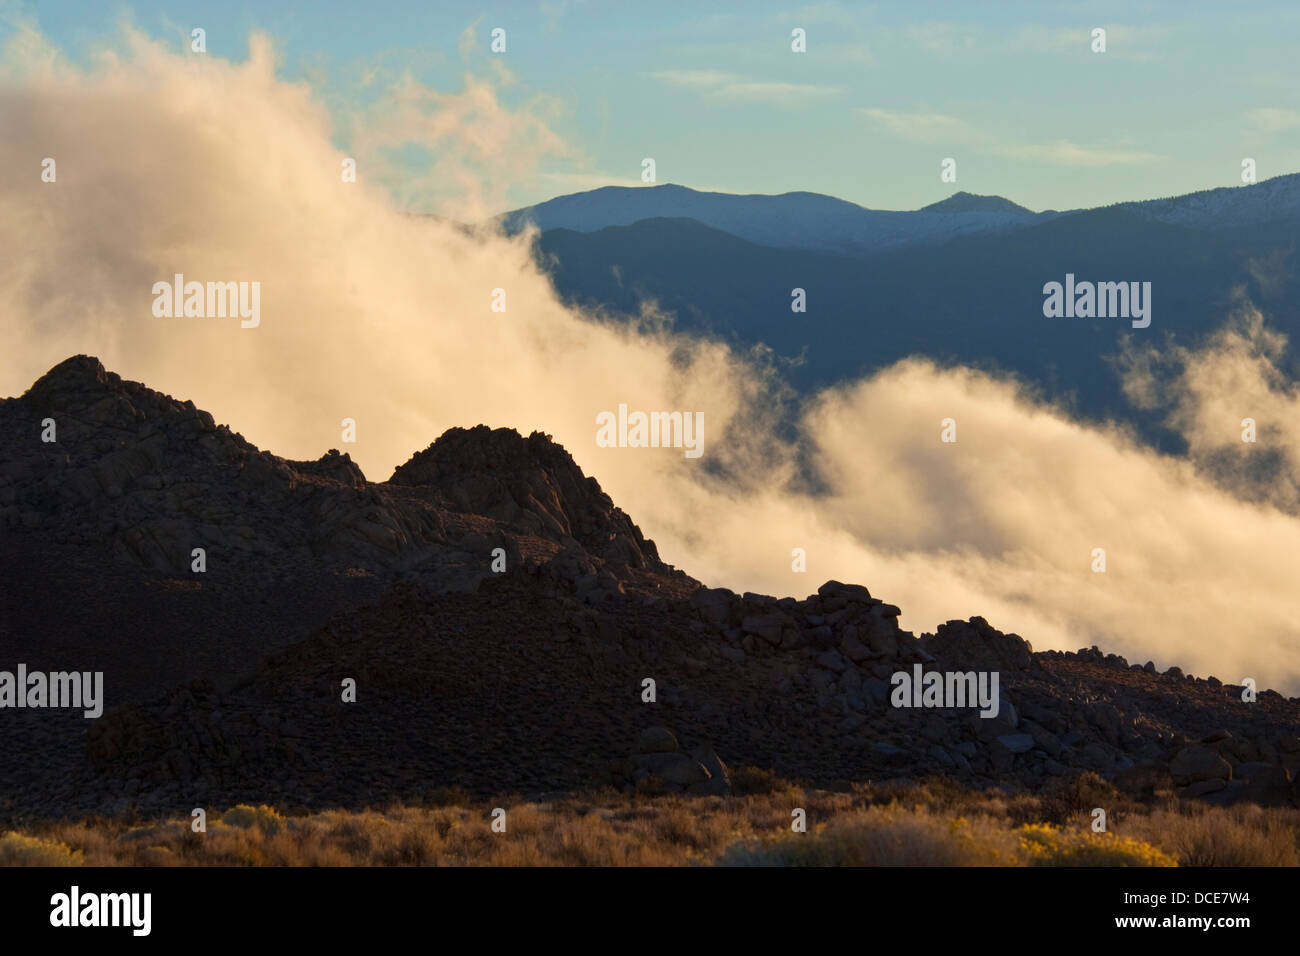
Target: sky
(715, 95)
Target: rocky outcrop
(975, 645)
(529, 485)
(151, 479)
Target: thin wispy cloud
(942, 39)
(553, 11)
(1271, 120)
(917, 127)
(1139, 43)
(926, 127)
(1132, 42)
(722, 85)
(1063, 152)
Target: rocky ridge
(225, 686)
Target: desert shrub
(650, 786)
(1241, 836)
(937, 792)
(1046, 845)
(18, 849)
(884, 837)
(1063, 797)
(756, 781)
(895, 823)
(156, 856)
(264, 818)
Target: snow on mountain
(1229, 207)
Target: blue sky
(715, 95)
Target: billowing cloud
(1233, 403)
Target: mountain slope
(1229, 208)
(976, 300)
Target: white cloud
(923, 127)
(942, 39)
(721, 85)
(917, 127)
(1062, 152)
(1206, 395)
(1271, 120)
(1136, 43)
(1133, 42)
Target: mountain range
(959, 281)
(799, 220)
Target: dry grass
(18, 849)
(1244, 835)
(933, 823)
(890, 836)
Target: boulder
(852, 592)
(1202, 788)
(883, 638)
(1196, 762)
(1017, 743)
(889, 753)
(713, 605)
(766, 626)
(675, 769)
(657, 740)
(1267, 785)
(875, 693)
(853, 648)
(719, 780)
(831, 660)
(976, 645)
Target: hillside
(224, 685)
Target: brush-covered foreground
(902, 823)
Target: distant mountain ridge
(821, 223)
(962, 286)
(795, 220)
